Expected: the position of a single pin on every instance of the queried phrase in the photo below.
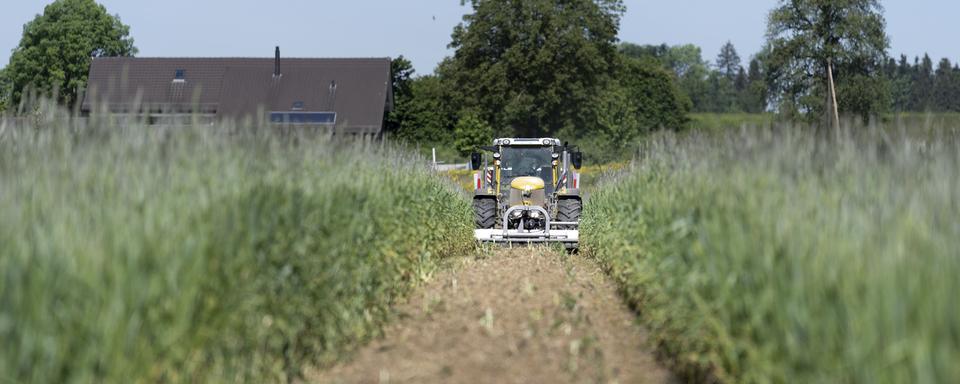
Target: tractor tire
(485, 212)
(568, 210)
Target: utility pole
(834, 111)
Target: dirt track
(527, 315)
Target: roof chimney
(276, 63)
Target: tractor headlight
(516, 215)
(535, 215)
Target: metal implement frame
(569, 237)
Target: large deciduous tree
(56, 48)
(535, 67)
(806, 37)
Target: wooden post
(834, 110)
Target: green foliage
(767, 256)
(401, 72)
(427, 116)
(56, 48)
(753, 97)
(207, 254)
(946, 87)
(657, 100)
(728, 61)
(692, 71)
(918, 87)
(803, 36)
(4, 91)
(728, 88)
(471, 133)
(534, 67)
(520, 69)
(645, 99)
(724, 121)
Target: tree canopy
(728, 61)
(534, 67)
(918, 87)
(803, 36)
(55, 51)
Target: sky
(420, 29)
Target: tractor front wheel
(484, 212)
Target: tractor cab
(526, 161)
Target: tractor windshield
(526, 161)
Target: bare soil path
(524, 315)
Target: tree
(898, 75)
(721, 95)
(741, 81)
(922, 99)
(534, 67)
(805, 38)
(425, 116)
(686, 63)
(401, 71)
(728, 61)
(470, 133)
(657, 52)
(945, 92)
(4, 91)
(655, 95)
(55, 51)
(754, 99)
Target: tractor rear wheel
(568, 210)
(485, 212)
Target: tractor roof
(538, 142)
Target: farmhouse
(349, 95)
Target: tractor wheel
(568, 210)
(485, 212)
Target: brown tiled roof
(239, 87)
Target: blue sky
(420, 29)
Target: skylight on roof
(180, 74)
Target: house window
(304, 118)
(179, 75)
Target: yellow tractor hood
(527, 183)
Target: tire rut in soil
(523, 315)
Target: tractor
(527, 191)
